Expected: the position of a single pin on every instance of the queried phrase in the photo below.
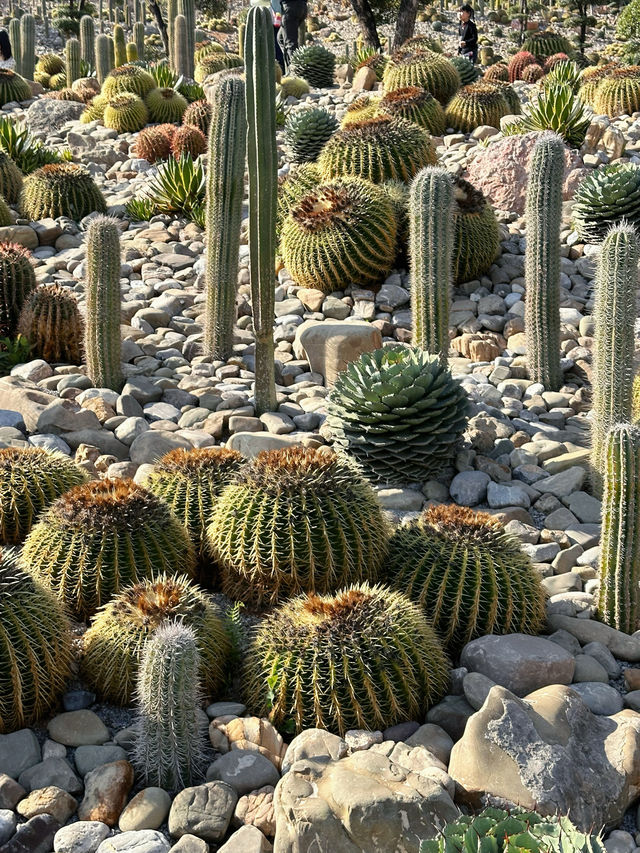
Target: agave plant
(178, 188)
(556, 108)
(563, 73)
(26, 152)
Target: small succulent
(306, 131)
(557, 109)
(315, 64)
(604, 198)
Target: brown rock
(479, 347)
(329, 345)
(256, 809)
(632, 679)
(53, 801)
(10, 792)
(102, 410)
(311, 298)
(106, 791)
(364, 79)
(256, 734)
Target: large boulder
(501, 171)
(365, 803)
(548, 752)
(50, 115)
(330, 346)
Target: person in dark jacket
(294, 13)
(468, 33)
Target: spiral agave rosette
(165, 105)
(470, 576)
(607, 196)
(113, 645)
(308, 655)
(416, 105)
(296, 520)
(424, 68)
(398, 413)
(13, 87)
(35, 647)
(30, 480)
(128, 78)
(477, 233)
(102, 536)
(379, 149)
(306, 131)
(315, 64)
(61, 189)
(475, 105)
(125, 113)
(52, 324)
(17, 281)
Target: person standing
(294, 12)
(468, 34)
(6, 60)
(276, 11)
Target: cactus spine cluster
(102, 339)
(542, 261)
(119, 46)
(87, 40)
(103, 57)
(187, 8)
(259, 55)
(616, 289)
(27, 46)
(619, 601)
(431, 229)
(17, 280)
(169, 735)
(72, 56)
(225, 189)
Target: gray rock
(149, 446)
(500, 495)
(621, 645)
(248, 839)
(190, 844)
(18, 752)
(10, 792)
(588, 669)
(567, 641)
(519, 662)
(564, 483)
(34, 836)
(476, 689)
(604, 657)
(433, 738)
(85, 836)
(142, 841)
(8, 823)
(78, 728)
(314, 743)
(600, 698)
(469, 488)
(451, 714)
(632, 700)
(53, 771)
(49, 117)
(204, 810)
(222, 709)
(245, 770)
(87, 758)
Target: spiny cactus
(468, 72)
(172, 12)
(262, 159)
(416, 105)
(13, 87)
(170, 736)
(398, 413)
(340, 232)
(17, 280)
(128, 78)
(274, 530)
(477, 233)
(545, 44)
(187, 8)
(113, 645)
(188, 140)
(61, 189)
(423, 68)
(431, 207)
(119, 46)
(198, 114)
(27, 46)
(518, 63)
(102, 340)
(180, 49)
(5, 214)
(64, 95)
(50, 63)
(72, 57)
(590, 79)
(154, 143)
(379, 149)
(125, 113)
(315, 64)
(95, 110)
(293, 87)
(225, 189)
(619, 598)
(292, 188)
(475, 105)
(35, 647)
(58, 81)
(532, 73)
(214, 63)
(102, 536)
(497, 72)
(14, 39)
(165, 105)
(52, 324)
(87, 40)
(470, 577)
(190, 482)
(132, 52)
(607, 196)
(306, 131)
(103, 58)
(308, 656)
(138, 38)
(618, 93)
(542, 261)
(616, 290)
(10, 179)
(30, 480)
(508, 93)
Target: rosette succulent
(605, 197)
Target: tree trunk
(406, 23)
(157, 13)
(367, 21)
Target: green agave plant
(557, 109)
(178, 187)
(605, 197)
(564, 73)
(25, 151)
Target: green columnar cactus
(274, 531)
(172, 12)
(17, 280)
(100, 537)
(468, 574)
(88, 40)
(101, 14)
(102, 339)
(138, 37)
(127, 15)
(431, 229)
(112, 52)
(132, 52)
(262, 151)
(61, 189)
(119, 45)
(188, 9)
(52, 324)
(364, 658)
(542, 261)
(27, 46)
(14, 39)
(45, 17)
(35, 647)
(616, 290)
(619, 600)
(170, 738)
(72, 56)
(103, 58)
(180, 57)
(30, 480)
(113, 645)
(225, 190)
(190, 482)
(111, 10)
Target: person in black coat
(468, 33)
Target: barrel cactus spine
(17, 281)
(102, 337)
(88, 40)
(431, 224)
(616, 289)
(259, 53)
(27, 46)
(72, 56)
(225, 183)
(542, 261)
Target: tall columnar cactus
(188, 9)
(27, 46)
(87, 40)
(172, 12)
(102, 338)
(120, 46)
(619, 602)
(225, 189)
(180, 45)
(169, 741)
(432, 228)
(616, 289)
(103, 57)
(72, 58)
(111, 7)
(259, 57)
(45, 17)
(138, 37)
(542, 261)
(14, 38)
